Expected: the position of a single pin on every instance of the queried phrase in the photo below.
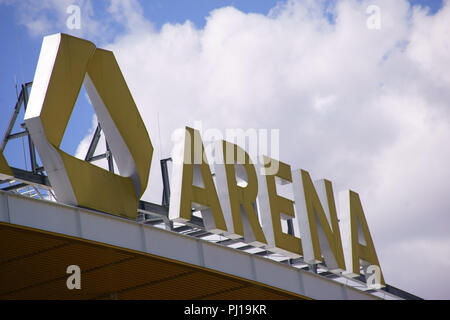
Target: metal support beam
(228, 242)
(17, 135)
(290, 227)
(12, 121)
(329, 275)
(400, 293)
(15, 186)
(181, 229)
(109, 158)
(166, 182)
(98, 157)
(93, 144)
(245, 247)
(148, 207)
(263, 253)
(22, 99)
(313, 268)
(30, 142)
(31, 178)
(154, 221)
(199, 233)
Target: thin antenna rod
(19, 51)
(15, 85)
(159, 133)
(24, 154)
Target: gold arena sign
(253, 211)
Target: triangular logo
(65, 63)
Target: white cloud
(367, 109)
(46, 17)
(419, 265)
(429, 49)
(129, 13)
(83, 147)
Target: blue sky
(20, 51)
(375, 102)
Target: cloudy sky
(361, 102)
